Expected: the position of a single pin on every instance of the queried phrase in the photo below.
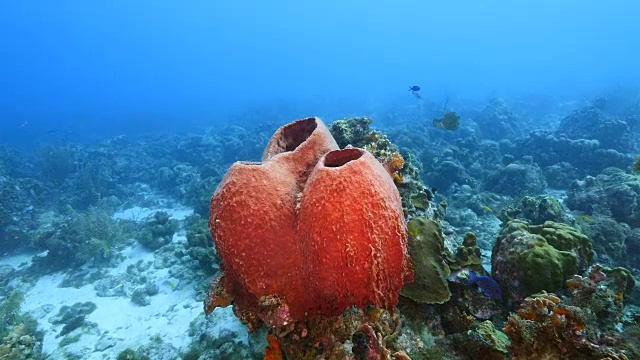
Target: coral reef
(20, 344)
(584, 156)
(483, 342)
(536, 210)
(498, 121)
(527, 259)
(523, 176)
(200, 244)
(591, 122)
(416, 197)
(313, 238)
(613, 241)
(612, 193)
(426, 247)
(78, 237)
(548, 327)
(18, 199)
(158, 231)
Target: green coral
(449, 121)
(545, 267)
(527, 259)
(10, 312)
(426, 248)
(566, 238)
(351, 131)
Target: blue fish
(414, 88)
(487, 284)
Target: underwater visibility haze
(353, 179)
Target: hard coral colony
(311, 230)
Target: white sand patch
(17, 261)
(132, 254)
(138, 213)
(120, 323)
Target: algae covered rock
(498, 121)
(527, 259)
(426, 248)
(535, 209)
(483, 342)
(158, 231)
(21, 344)
(612, 193)
(468, 255)
(566, 238)
(521, 176)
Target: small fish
(487, 284)
(414, 88)
(487, 208)
(586, 218)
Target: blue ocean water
(119, 119)
(119, 67)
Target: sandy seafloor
(119, 323)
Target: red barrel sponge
(353, 234)
(253, 213)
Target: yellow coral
(394, 162)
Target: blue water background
(85, 70)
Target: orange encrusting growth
(273, 350)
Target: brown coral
(545, 327)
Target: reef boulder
(527, 259)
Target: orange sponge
(353, 234)
(253, 211)
(319, 232)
